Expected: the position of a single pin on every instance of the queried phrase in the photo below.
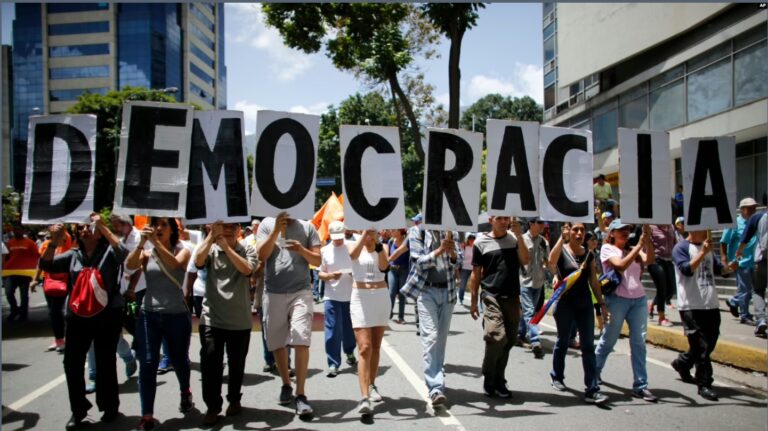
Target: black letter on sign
(353, 183)
(80, 171)
(440, 181)
(708, 165)
(513, 149)
(265, 158)
(552, 172)
(228, 154)
(644, 176)
(142, 157)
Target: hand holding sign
(57, 234)
(516, 229)
(565, 233)
(292, 245)
(148, 234)
(447, 245)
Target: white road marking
(445, 416)
(18, 405)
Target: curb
(726, 352)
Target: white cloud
(443, 99)
(248, 19)
(527, 80)
(249, 112)
(314, 109)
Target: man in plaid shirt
(431, 282)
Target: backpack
(89, 296)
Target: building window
(550, 78)
(634, 113)
(78, 50)
(78, 28)
(201, 17)
(73, 94)
(202, 55)
(76, 7)
(202, 37)
(668, 106)
(199, 92)
(751, 70)
(709, 90)
(604, 130)
(549, 97)
(201, 74)
(79, 72)
(549, 49)
(549, 30)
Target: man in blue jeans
(432, 284)
(532, 279)
(744, 266)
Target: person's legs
(363, 338)
(377, 334)
(637, 320)
(402, 276)
(237, 343)
(11, 284)
(211, 366)
(709, 323)
(148, 337)
(744, 283)
(24, 297)
(347, 333)
(510, 308)
(432, 320)
(177, 330)
(669, 270)
(760, 280)
(659, 277)
(333, 333)
(300, 334)
(465, 273)
(394, 289)
(585, 322)
(618, 307)
(105, 338)
(56, 314)
(269, 358)
(564, 316)
(495, 340)
(533, 330)
(79, 337)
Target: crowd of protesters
(98, 280)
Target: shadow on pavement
(25, 420)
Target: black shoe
(645, 394)
(110, 416)
(732, 308)
(502, 391)
(685, 375)
(708, 393)
(538, 352)
(286, 395)
(234, 408)
(269, 368)
(489, 389)
(186, 404)
(74, 423)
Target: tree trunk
(415, 132)
(397, 112)
(454, 77)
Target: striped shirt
(423, 260)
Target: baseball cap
(747, 202)
(417, 217)
(680, 220)
(617, 224)
(336, 230)
(606, 214)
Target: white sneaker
(364, 408)
(373, 394)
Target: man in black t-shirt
(496, 261)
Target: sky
(502, 54)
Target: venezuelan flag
(561, 288)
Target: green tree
(498, 107)
(453, 20)
(108, 109)
(376, 41)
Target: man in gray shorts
(288, 246)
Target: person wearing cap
(533, 276)
(757, 227)
(336, 272)
(601, 231)
(435, 256)
(680, 233)
(744, 266)
(288, 246)
(698, 304)
(604, 192)
(628, 302)
(662, 271)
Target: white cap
(747, 202)
(337, 230)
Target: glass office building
(62, 50)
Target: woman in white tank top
(369, 310)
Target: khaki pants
(500, 321)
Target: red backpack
(89, 296)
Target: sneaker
(645, 394)
(211, 417)
(52, 347)
(351, 359)
(90, 387)
(747, 320)
(761, 328)
(186, 403)
(707, 393)
(596, 397)
(685, 375)
(234, 408)
(269, 368)
(286, 395)
(61, 347)
(438, 399)
(374, 395)
(146, 424)
(131, 366)
(538, 352)
(364, 407)
(734, 309)
(558, 385)
(488, 389)
(332, 371)
(303, 409)
(502, 391)
(164, 366)
(665, 323)
(74, 423)
(650, 308)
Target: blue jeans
(123, 351)
(743, 291)
(635, 313)
(465, 273)
(395, 280)
(151, 329)
(583, 318)
(435, 312)
(529, 297)
(338, 331)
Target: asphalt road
(34, 390)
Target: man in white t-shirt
(336, 271)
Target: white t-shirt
(198, 288)
(130, 243)
(337, 259)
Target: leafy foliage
(496, 106)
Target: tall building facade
(693, 70)
(62, 50)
